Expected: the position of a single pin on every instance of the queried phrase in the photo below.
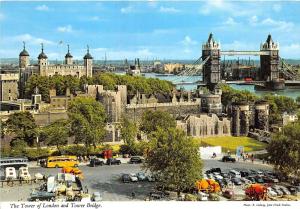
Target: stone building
(205, 125)
(261, 115)
(240, 118)
(44, 68)
(211, 102)
(60, 102)
(9, 86)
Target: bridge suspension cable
(288, 71)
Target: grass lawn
(231, 143)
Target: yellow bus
(62, 161)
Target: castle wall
(9, 87)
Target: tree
(22, 125)
(128, 134)
(87, 118)
(57, 133)
(152, 120)
(284, 150)
(174, 158)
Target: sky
(145, 29)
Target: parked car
(95, 162)
(113, 161)
(96, 197)
(234, 174)
(10, 173)
(228, 194)
(277, 190)
(244, 173)
(245, 180)
(293, 190)
(228, 159)
(125, 178)
(141, 176)
(284, 190)
(156, 195)
(133, 177)
(259, 180)
(150, 178)
(251, 178)
(271, 192)
(136, 160)
(212, 170)
(236, 181)
(24, 173)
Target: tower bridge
(268, 74)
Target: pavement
(106, 180)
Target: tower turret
(68, 57)
(24, 57)
(88, 63)
(211, 69)
(42, 58)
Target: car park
(113, 161)
(228, 159)
(259, 180)
(96, 162)
(245, 180)
(213, 170)
(150, 178)
(284, 190)
(133, 177)
(126, 178)
(136, 160)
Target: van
(10, 173)
(235, 173)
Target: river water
(293, 93)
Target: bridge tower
(211, 69)
(269, 64)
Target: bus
(15, 162)
(11, 162)
(62, 161)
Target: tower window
(9, 91)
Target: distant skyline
(147, 29)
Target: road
(106, 180)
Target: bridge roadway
(287, 82)
(252, 53)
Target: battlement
(169, 104)
(9, 77)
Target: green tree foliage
(230, 94)
(174, 158)
(87, 118)
(57, 133)
(152, 120)
(22, 126)
(45, 83)
(128, 131)
(279, 105)
(284, 150)
(18, 148)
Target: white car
(218, 177)
(271, 192)
(133, 177)
(150, 178)
(141, 176)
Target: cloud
(238, 45)
(187, 41)
(278, 24)
(142, 53)
(230, 21)
(276, 7)
(42, 8)
(168, 10)
(152, 3)
(291, 51)
(163, 31)
(126, 10)
(29, 39)
(253, 20)
(65, 29)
